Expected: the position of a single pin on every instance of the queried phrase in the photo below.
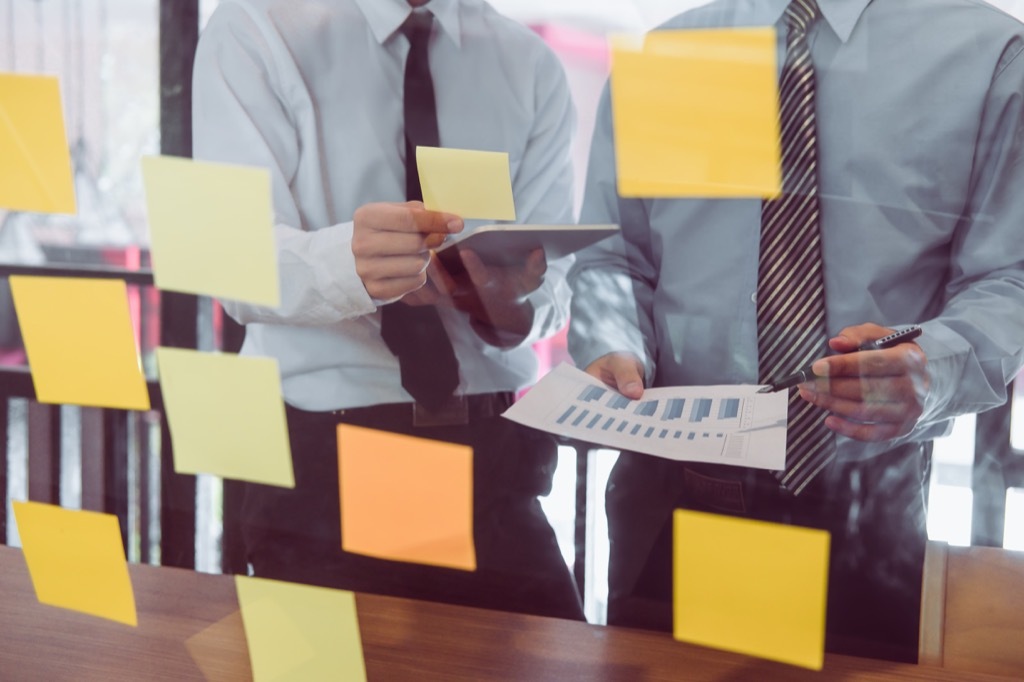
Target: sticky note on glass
(226, 416)
(76, 560)
(300, 632)
(696, 114)
(212, 229)
(471, 184)
(80, 341)
(218, 652)
(405, 498)
(35, 163)
(752, 587)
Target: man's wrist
(507, 329)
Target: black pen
(806, 374)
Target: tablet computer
(510, 245)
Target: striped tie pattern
(791, 289)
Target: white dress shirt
(312, 90)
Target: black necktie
(415, 334)
(791, 289)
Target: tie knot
(800, 14)
(417, 27)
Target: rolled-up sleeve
(242, 114)
(613, 281)
(975, 347)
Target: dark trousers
(874, 511)
(295, 535)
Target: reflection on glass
(104, 53)
(950, 500)
(1014, 534)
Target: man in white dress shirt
(314, 92)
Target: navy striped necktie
(791, 288)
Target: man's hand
(872, 395)
(622, 371)
(494, 297)
(391, 244)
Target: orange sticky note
(300, 632)
(80, 342)
(35, 163)
(696, 114)
(752, 587)
(405, 498)
(76, 560)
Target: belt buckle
(455, 412)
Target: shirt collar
(841, 15)
(385, 17)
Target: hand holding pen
(806, 374)
(871, 396)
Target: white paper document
(733, 425)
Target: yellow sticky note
(212, 229)
(35, 163)
(300, 632)
(226, 416)
(76, 560)
(405, 498)
(217, 653)
(80, 341)
(471, 184)
(696, 114)
(752, 587)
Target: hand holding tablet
(510, 245)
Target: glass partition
(106, 53)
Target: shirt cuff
(942, 370)
(337, 278)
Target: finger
(851, 338)
(889, 389)
(435, 222)
(905, 358)
(391, 289)
(621, 371)
(865, 432)
(393, 267)
(531, 275)
(434, 240)
(439, 276)
(865, 411)
(629, 381)
(536, 264)
(479, 274)
(406, 217)
(370, 244)
(505, 284)
(493, 287)
(425, 295)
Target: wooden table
(185, 617)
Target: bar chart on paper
(720, 424)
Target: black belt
(461, 409)
(729, 489)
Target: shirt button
(753, 297)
